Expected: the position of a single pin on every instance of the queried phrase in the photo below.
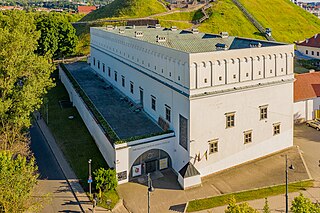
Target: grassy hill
(288, 22)
(226, 17)
(126, 9)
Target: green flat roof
(186, 41)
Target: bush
(105, 180)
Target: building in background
(310, 47)
(306, 96)
(84, 9)
(226, 100)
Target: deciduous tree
(302, 204)
(105, 180)
(241, 208)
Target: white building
(310, 47)
(228, 100)
(306, 96)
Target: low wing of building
(310, 47)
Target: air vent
(109, 27)
(195, 31)
(161, 38)
(255, 44)
(174, 28)
(220, 46)
(224, 34)
(157, 26)
(138, 33)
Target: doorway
(151, 166)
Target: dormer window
(255, 44)
(138, 33)
(161, 38)
(109, 27)
(224, 34)
(220, 46)
(174, 28)
(195, 31)
(157, 26)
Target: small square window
(263, 112)
(153, 102)
(247, 74)
(234, 76)
(178, 78)
(170, 74)
(281, 69)
(162, 70)
(247, 137)
(276, 129)
(230, 120)
(123, 81)
(270, 70)
(205, 80)
(131, 87)
(220, 78)
(213, 146)
(168, 113)
(259, 73)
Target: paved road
(51, 178)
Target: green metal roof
(185, 41)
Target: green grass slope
(226, 17)
(126, 9)
(288, 22)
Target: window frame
(115, 76)
(230, 122)
(276, 128)
(167, 112)
(213, 146)
(247, 137)
(263, 112)
(123, 81)
(153, 103)
(109, 71)
(131, 87)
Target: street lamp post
(90, 177)
(150, 189)
(287, 196)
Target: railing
(253, 20)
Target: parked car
(314, 123)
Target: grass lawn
(197, 205)
(72, 136)
(287, 21)
(226, 17)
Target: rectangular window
(94, 61)
(247, 137)
(103, 67)
(317, 53)
(276, 129)
(123, 81)
(230, 119)
(98, 64)
(213, 146)
(153, 102)
(312, 52)
(307, 52)
(109, 71)
(183, 132)
(263, 112)
(131, 87)
(115, 76)
(168, 113)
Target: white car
(314, 123)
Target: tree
(266, 208)
(18, 176)
(241, 208)
(58, 37)
(105, 180)
(302, 204)
(24, 76)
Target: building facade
(227, 100)
(310, 47)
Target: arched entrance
(150, 161)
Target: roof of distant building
(190, 41)
(306, 86)
(86, 9)
(314, 41)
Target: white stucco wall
(304, 49)
(304, 110)
(208, 122)
(189, 182)
(102, 142)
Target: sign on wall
(136, 170)
(163, 163)
(122, 175)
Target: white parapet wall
(102, 142)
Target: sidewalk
(276, 203)
(80, 195)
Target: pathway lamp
(150, 189)
(90, 177)
(287, 196)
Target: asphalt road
(51, 180)
(47, 164)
